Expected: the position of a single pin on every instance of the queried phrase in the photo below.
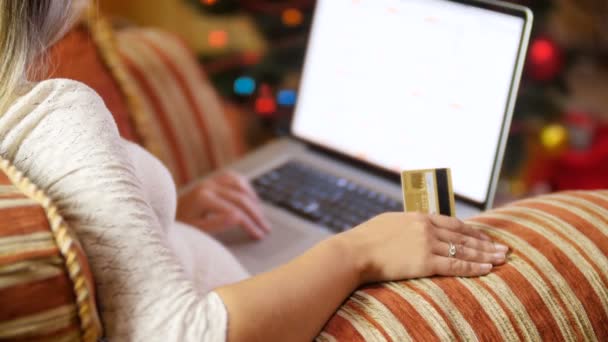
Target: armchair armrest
(554, 287)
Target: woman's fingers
(215, 222)
(246, 205)
(454, 224)
(452, 267)
(469, 254)
(469, 241)
(216, 204)
(235, 181)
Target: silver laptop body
(293, 235)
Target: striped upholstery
(182, 121)
(555, 286)
(75, 57)
(46, 288)
(185, 116)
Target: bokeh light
(543, 51)
(244, 86)
(545, 61)
(292, 17)
(554, 137)
(265, 106)
(286, 97)
(218, 38)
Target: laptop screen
(410, 84)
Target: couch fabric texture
(46, 288)
(554, 286)
(181, 120)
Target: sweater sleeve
(63, 138)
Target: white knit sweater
(61, 135)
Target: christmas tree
(267, 79)
(559, 138)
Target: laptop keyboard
(330, 201)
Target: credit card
(428, 192)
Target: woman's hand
(223, 201)
(399, 246)
(309, 289)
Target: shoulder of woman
(57, 97)
(55, 110)
(55, 91)
(58, 127)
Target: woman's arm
(64, 139)
(293, 302)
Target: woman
(116, 196)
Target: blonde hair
(27, 28)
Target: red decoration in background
(583, 165)
(582, 129)
(584, 170)
(265, 104)
(545, 60)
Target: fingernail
(501, 248)
(486, 267)
(499, 256)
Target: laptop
(387, 86)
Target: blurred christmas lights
(218, 38)
(286, 97)
(265, 106)
(292, 17)
(244, 86)
(545, 60)
(554, 137)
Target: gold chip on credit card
(428, 192)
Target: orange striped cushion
(191, 133)
(46, 288)
(555, 286)
(182, 121)
(76, 57)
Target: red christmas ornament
(545, 59)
